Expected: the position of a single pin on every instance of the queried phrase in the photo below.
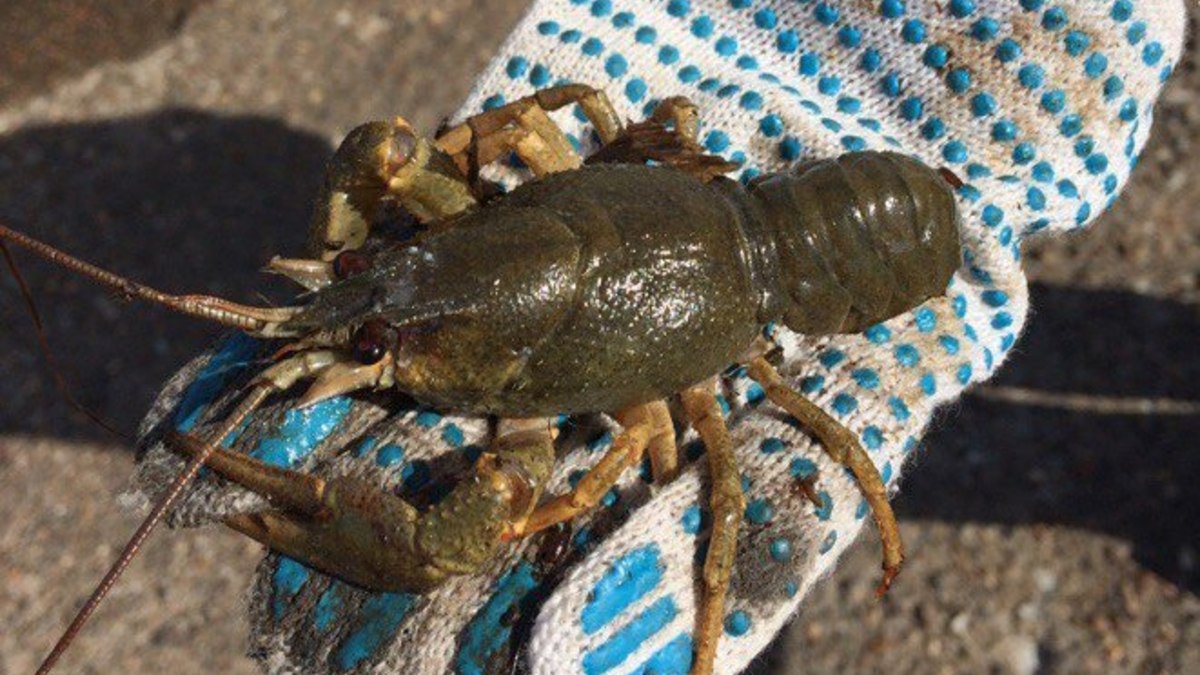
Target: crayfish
(606, 285)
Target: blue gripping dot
(487, 632)
(378, 620)
(233, 356)
(625, 641)
(301, 432)
(737, 623)
(289, 578)
(673, 659)
(630, 578)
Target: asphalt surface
(181, 142)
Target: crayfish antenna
(259, 320)
(257, 395)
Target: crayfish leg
(643, 427)
(843, 447)
(524, 127)
(727, 504)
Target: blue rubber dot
(891, 9)
(452, 435)
(954, 151)
(802, 468)
(389, 455)
(716, 140)
(913, 31)
(830, 358)
(1054, 19)
(1042, 172)
(491, 103)
(959, 80)
(570, 36)
(962, 8)
(853, 143)
(907, 355)
(692, 519)
(1152, 53)
(994, 298)
(936, 56)
(890, 84)
(865, 377)
(751, 100)
(789, 148)
(825, 13)
(899, 409)
(1071, 124)
(1096, 164)
(737, 623)
(871, 60)
(1054, 101)
(912, 108)
(985, 29)
(702, 26)
(516, 67)
(1081, 215)
(933, 129)
(602, 8)
(812, 384)
(1008, 50)
(592, 46)
(780, 549)
(548, 28)
(844, 404)
(1032, 5)
(1076, 42)
(725, 45)
(679, 8)
(829, 542)
(1137, 31)
(771, 445)
(1121, 10)
(1128, 112)
(960, 306)
(766, 18)
(925, 319)
(747, 62)
(771, 125)
(1004, 130)
(623, 19)
(1095, 65)
(983, 104)
(810, 63)
(428, 418)
(878, 334)
(635, 89)
(829, 85)
(1002, 320)
(759, 511)
(849, 36)
(949, 343)
(849, 105)
(668, 55)
(1031, 75)
(646, 35)
(872, 437)
(928, 385)
(787, 41)
(616, 65)
(539, 76)
(689, 74)
(1023, 153)
(1113, 86)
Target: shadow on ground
(1125, 475)
(188, 201)
(182, 200)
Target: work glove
(1040, 108)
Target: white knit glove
(1041, 107)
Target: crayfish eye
(401, 146)
(371, 342)
(350, 263)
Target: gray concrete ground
(1048, 535)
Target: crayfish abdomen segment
(861, 238)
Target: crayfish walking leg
(842, 446)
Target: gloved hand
(1040, 107)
